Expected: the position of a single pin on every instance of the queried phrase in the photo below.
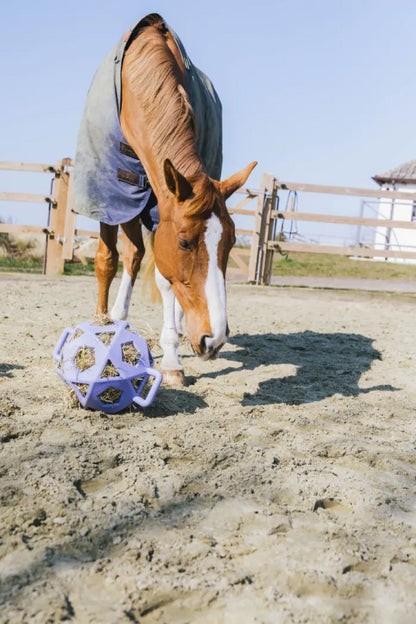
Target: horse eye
(185, 245)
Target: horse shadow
(172, 403)
(326, 365)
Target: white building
(401, 178)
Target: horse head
(192, 245)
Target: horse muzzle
(210, 346)
(206, 343)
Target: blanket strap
(135, 179)
(128, 151)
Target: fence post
(70, 218)
(55, 258)
(269, 228)
(261, 257)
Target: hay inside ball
(108, 366)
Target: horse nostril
(203, 343)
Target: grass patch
(326, 265)
(15, 264)
(296, 265)
(77, 268)
(36, 266)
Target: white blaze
(215, 285)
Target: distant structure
(401, 178)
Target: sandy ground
(278, 486)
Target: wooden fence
(253, 263)
(264, 244)
(60, 229)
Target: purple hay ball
(107, 366)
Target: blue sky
(319, 92)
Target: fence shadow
(6, 369)
(326, 364)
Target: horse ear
(231, 184)
(176, 182)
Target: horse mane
(159, 84)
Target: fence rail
(12, 228)
(33, 198)
(343, 190)
(345, 220)
(346, 250)
(21, 166)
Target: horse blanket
(110, 183)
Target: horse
(195, 233)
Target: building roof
(403, 174)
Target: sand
(278, 486)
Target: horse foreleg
(106, 263)
(179, 316)
(172, 369)
(133, 252)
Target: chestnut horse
(195, 234)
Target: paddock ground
(278, 486)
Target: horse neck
(156, 117)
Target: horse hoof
(173, 378)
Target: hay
(110, 396)
(109, 370)
(83, 388)
(101, 319)
(152, 343)
(70, 398)
(106, 337)
(136, 383)
(85, 358)
(76, 334)
(130, 354)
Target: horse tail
(149, 266)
